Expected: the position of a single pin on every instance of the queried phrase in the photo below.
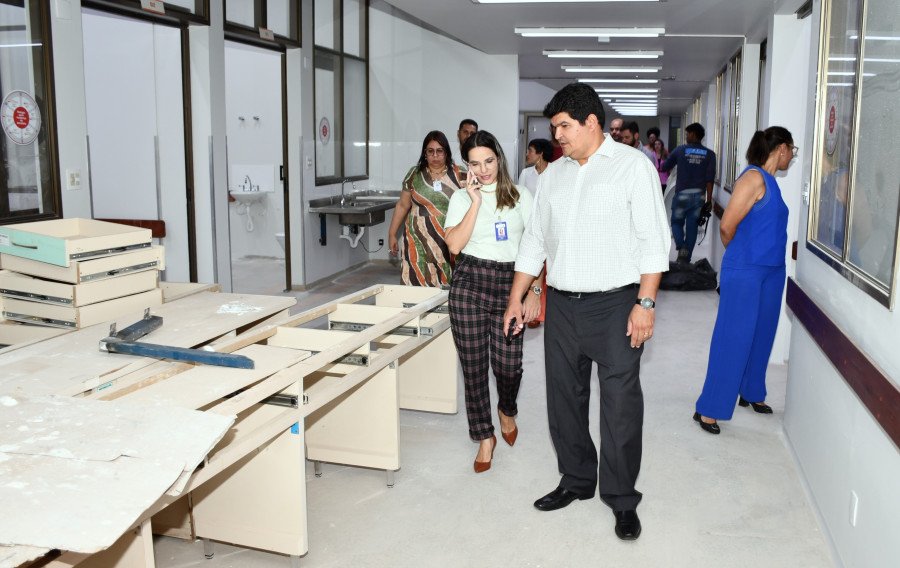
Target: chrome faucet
(248, 185)
(352, 186)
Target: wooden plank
(176, 290)
(79, 317)
(202, 385)
(15, 335)
(72, 364)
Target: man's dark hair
(543, 147)
(466, 121)
(653, 130)
(579, 100)
(697, 130)
(632, 127)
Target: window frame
(252, 35)
(342, 56)
(49, 122)
(132, 8)
(884, 295)
(730, 148)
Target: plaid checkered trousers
(479, 291)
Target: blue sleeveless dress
(751, 285)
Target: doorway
(255, 123)
(136, 128)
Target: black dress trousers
(581, 331)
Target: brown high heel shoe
(509, 437)
(481, 467)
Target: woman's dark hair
(543, 147)
(764, 143)
(507, 194)
(653, 130)
(579, 100)
(435, 136)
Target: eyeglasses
(435, 151)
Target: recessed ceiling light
(601, 69)
(551, 1)
(606, 54)
(590, 32)
(644, 81)
(606, 91)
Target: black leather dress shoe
(628, 525)
(760, 407)
(557, 499)
(712, 428)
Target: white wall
(405, 63)
(253, 89)
(533, 96)
(837, 443)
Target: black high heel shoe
(760, 407)
(711, 428)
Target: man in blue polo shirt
(696, 173)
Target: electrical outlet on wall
(73, 179)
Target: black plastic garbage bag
(685, 277)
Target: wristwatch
(537, 290)
(646, 303)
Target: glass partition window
(246, 17)
(341, 90)
(854, 212)
(29, 186)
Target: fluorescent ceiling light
(849, 74)
(601, 69)
(643, 81)
(607, 91)
(840, 84)
(630, 96)
(551, 1)
(604, 54)
(590, 32)
(878, 38)
(865, 60)
(20, 45)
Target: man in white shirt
(600, 223)
(537, 158)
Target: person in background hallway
(696, 173)
(467, 127)
(600, 223)
(660, 154)
(631, 136)
(615, 129)
(425, 196)
(652, 137)
(538, 158)
(754, 232)
(483, 228)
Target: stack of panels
(72, 273)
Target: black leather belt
(589, 294)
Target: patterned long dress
(426, 260)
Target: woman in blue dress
(754, 232)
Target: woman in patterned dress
(427, 188)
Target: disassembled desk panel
(77, 317)
(62, 241)
(14, 285)
(79, 271)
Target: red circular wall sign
(20, 117)
(324, 130)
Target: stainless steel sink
(362, 208)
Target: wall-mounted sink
(248, 196)
(362, 208)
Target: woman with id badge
(483, 227)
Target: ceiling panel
(701, 35)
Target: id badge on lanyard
(500, 231)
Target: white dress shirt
(529, 178)
(599, 226)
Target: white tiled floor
(732, 500)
